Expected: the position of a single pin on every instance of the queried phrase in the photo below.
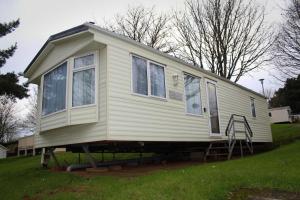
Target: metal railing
(232, 130)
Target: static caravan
(102, 89)
(26, 145)
(3, 151)
(280, 115)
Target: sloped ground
(277, 170)
(263, 194)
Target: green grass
(285, 133)
(277, 169)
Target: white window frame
(148, 61)
(74, 70)
(253, 99)
(42, 90)
(185, 107)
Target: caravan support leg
(91, 159)
(44, 158)
(51, 152)
(47, 153)
(241, 147)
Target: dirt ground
(139, 170)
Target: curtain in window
(83, 87)
(192, 95)
(54, 90)
(157, 77)
(139, 76)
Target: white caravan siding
(137, 118)
(121, 115)
(3, 152)
(279, 115)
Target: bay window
(148, 78)
(192, 94)
(83, 89)
(54, 90)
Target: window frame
(149, 95)
(184, 93)
(42, 90)
(74, 70)
(253, 99)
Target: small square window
(84, 61)
(148, 78)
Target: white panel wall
(280, 115)
(53, 121)
(137, 118)
(82, 115)
(125, 116)
(2, 154)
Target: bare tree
(145, 26)
(8, 120)
(286, 51)
(30, 120)
(269, 93)
(227, 37)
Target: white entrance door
(213, 109)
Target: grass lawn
(285, 133)
(22, 178)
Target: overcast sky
(40, 19)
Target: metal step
(215, 148)
(218, 154)
(240, 131)
(239, 121)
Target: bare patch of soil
(263, 194)
(139, 170)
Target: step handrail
(232, 136)
(229, 125)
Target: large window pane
(192, 95)
(84, 61)
(54, 90)
(157, 77)
(83, 87)
(139, 76)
